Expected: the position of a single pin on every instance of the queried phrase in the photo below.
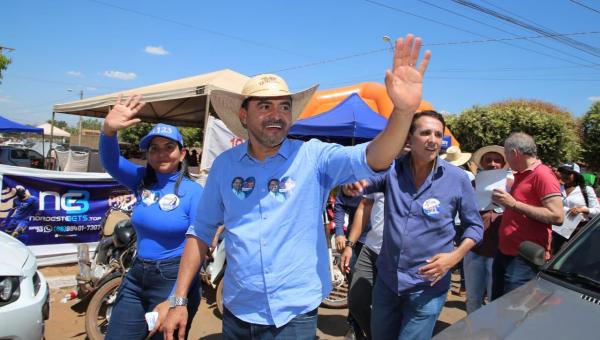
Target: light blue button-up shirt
(277, 260)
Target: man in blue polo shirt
(277, 263)
(423, 194)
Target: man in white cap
(277, 263)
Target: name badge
(169, 202)
(431, 207)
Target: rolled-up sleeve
(468, 212)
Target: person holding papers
(580, 204)
(491, 162)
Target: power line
(205, 30)
(506, 31)
(462, 42)
(585, 6)
(565, 40)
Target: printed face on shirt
(164, 155)
(237, 184)
(267, 120)
(492, 161)
(426, 139)
(274, 186)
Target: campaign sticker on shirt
(149, 197)
(287, 185)
(274, 191)
(241, 187)
(431, 207)
(168, 202)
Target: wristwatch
(349, 244)
(175, 301)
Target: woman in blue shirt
(166, 204)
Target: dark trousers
(361, 287)
(508, 273)
(148, 283)
(302, 327)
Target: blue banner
(43, 211)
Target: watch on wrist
(349, 244)
(175, 301)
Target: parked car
(562, 302)
(17, 156)
(24, 304)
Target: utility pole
(80, 118)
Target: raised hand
(122, 115)
(404, 82)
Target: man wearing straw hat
(277, 263)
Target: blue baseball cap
(162, 130)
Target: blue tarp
(351, 121)
(10, 126)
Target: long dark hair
(578, 181)
(150, 175)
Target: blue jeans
(148, 283)
(405, 316)
(508, 273)
(302, 327)
(478, 279)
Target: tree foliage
(4, 62)
(552, 128)
(61, 124)
(590, 136)
(191, 136)
(90, 124)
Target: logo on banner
(73, 201)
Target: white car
(24, 304)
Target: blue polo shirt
(277, 259)
(420, 223)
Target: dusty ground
(67, 324)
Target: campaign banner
(57, 211)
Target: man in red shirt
(532, 206)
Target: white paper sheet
(485, 183)
(569, 224)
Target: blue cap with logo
(161, 130)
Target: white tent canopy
(56, 131)
(183, 102)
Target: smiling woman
(165, 208)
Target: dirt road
(67, 324)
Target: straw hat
(227, 104)
(455, 156)
(477, 155)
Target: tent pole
(52, 130)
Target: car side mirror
(533, 253)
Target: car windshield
(582, 258)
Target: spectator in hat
(166, 204)
(478, 262)
(578, 199)
(531, 207)
(277, 260)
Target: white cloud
(74, 73)
(120, 75)
(157, 50)
(4, 99)
(594, 98)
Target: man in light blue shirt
(277, 263)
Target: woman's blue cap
(161, 130)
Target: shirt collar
(531, 167)
(285, 150)
(439, 166)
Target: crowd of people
(269, 194)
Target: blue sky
(103, 46)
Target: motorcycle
(99, 277)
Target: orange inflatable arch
(374, 94)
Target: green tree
(61, 124)
(590, 136)
(552, 128)
(4, 62)
(91, 124)
(134, 134)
